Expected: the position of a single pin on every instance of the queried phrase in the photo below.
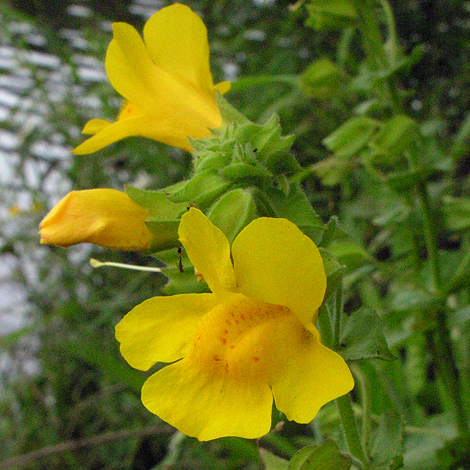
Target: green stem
(338, 313)
(442, 346)
(374, 47)
(461, 277)
(442, 351)
(430, 236)
(348, 420)
(366, 407)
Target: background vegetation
(67, 399)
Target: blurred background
(67, 400)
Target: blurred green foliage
(67, 400)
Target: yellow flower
(253, 338)
(106, 217)
(166, 82)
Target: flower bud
(105, 217)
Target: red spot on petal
(224, 341)
(242, 317)
(216, 358)
(226, 332)
(226, 367)
(256, 359)
(232, 346)
(228, 322)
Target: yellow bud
(105, 217)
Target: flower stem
(348, 420)
(366, 407)
(374, 47)
(442, 346)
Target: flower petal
(155, 91)
(95, 125)
(208, 406)
(208, 250)
(311, 375)
(176, 39)
(223, 87)
(129, 67)
(275, 262)
(161, 131)
(158, 329)
(106, 217)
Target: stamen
(98, 264)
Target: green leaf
(455, 454)
(331, 14)
(387, 443)
(334, 271)
(395, 136)
(350, 254)
(271, 461)
(333, 231)
(324, 457)
(352, 136)
(456, 212)
(361, 336)
(295, 207)
(322, 79)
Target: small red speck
(242, 317)
(226, 332)
(228, 322)
(256, 359)
(232, 346)
(226, 367)
(224, 341)
(216, 358)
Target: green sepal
(212, 161)
(293, 206)
(163, 217)
(352, 136)
(321, 79)
(233, 212)
(326, 456)
(249, 143)
(387, 444)
(272, 149)
(361, 337)
(329, 15)
(229, 114)
(243, 171)
(202, 189)
(334, 272)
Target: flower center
(237, 338)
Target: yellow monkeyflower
(165, 80)
(105, 217)
(251, 340)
